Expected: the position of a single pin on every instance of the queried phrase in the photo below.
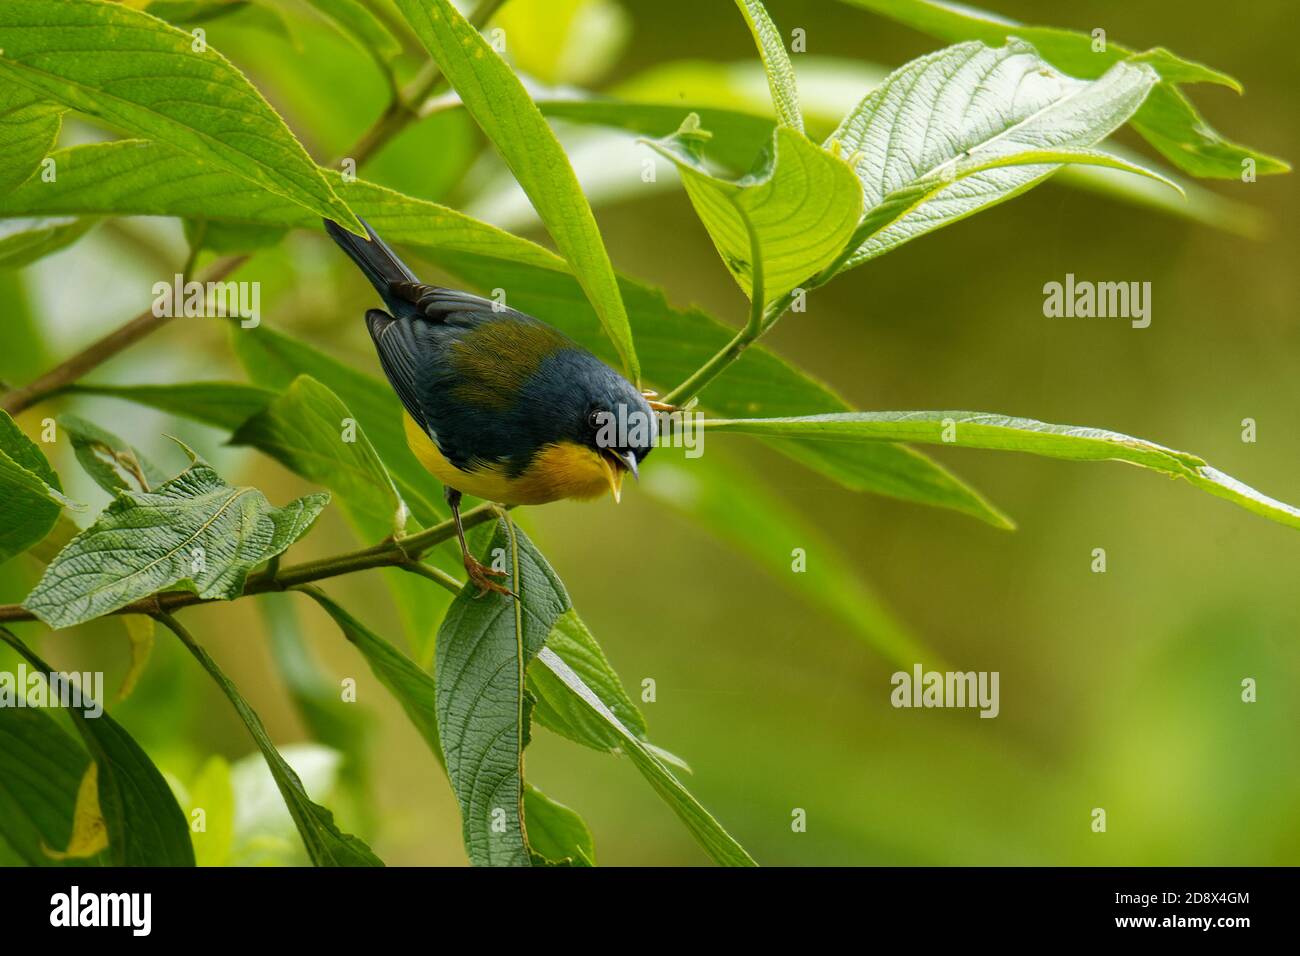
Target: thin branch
(101, 351)
(393, 553)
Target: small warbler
(499, 404)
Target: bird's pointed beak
(616, 465)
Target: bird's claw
(480, 575)
(657, 406)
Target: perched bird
(499, 404)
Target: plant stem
(393, 553)
(760, 321)
(100, 351)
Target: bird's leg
(650, 396)
(479, 573)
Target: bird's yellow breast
(561, 470)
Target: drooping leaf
(1004, 433)
(145, 825)
(484, 647)
(41, 767)
(497, 100)
(140, 74)
(326, 844)
(776, 63)
(930, 142)
(112, 463)
(1167, 119)
(23, 241)
(558, 679)
(312, 433)
(780, 225)
(194, 531)
(30, 489)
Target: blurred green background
(1118, 690)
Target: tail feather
(373, 257)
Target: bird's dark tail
(373, 257)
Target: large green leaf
(984, 430)
(325, 843)
(140, 74)
(30, 489)
(971, 126)
(555, 833)
(776, 63)
(124, 178)
(497, 100)
(313, 434)
(1167, 119)
(484, 646)
(145, 825)
(29, 127)
(780, 225)
(41, 769)
(195, 531)
(558, 680)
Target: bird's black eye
(595, 418)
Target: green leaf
(29, 128)
(559, 679)
(325, 843)
(780, 225)
(984, 430)
(496, 99)
(41, 767)
(1167, 119)
(195, 531)
(776, 63)
(213, 792)
(145, 825)
(484, 646)
(312, 433)
(220, 404)
(137, 73)
(413, 687)
(734, 505)
(969, 127)
(338, 724)
(110, 462)
(567, 716)
(33, 497)
(556, 834)
(23, 241)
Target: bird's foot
(480, 575)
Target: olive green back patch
(495, 360)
